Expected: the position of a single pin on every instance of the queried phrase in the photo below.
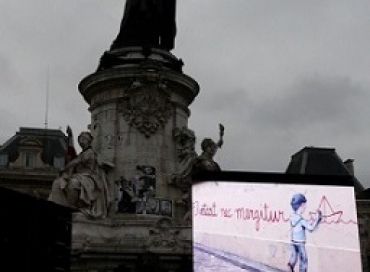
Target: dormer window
(34, 149)
(4, 160)
(29, 160)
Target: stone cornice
(121, 76)
(41, 175)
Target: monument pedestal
(130, 243)
(136, 105)
(139, 113)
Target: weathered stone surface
(135, 108)
(120, 240)
(136, 104)
(82, 184)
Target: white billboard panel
(239, 226)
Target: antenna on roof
(47, 97)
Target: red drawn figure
(329, 214)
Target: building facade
(31, 159)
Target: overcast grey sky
(280, 75)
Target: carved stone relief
(146, 109)
(190, 163)
(163, 237)
(109, 141)
(185, 143)
(186, 155)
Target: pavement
(207, 259)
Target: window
(29, 160)
(3, 160)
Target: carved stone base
(130, 243)
(137, 102)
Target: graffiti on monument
(138, 195)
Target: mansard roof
(319, 161)
(52, 142)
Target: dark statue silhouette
(148, 23)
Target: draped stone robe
(83, 186)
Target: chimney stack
(349, 166)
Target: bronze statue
(148, 23)
(205, 161)
(82, 184)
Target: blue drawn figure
(298, 232)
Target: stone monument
(139, 101)
(82, 184)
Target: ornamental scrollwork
(147, 109)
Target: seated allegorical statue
(82, 184)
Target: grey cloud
(9, 77)
(262, 134)
(244, 54)
(315, 100)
